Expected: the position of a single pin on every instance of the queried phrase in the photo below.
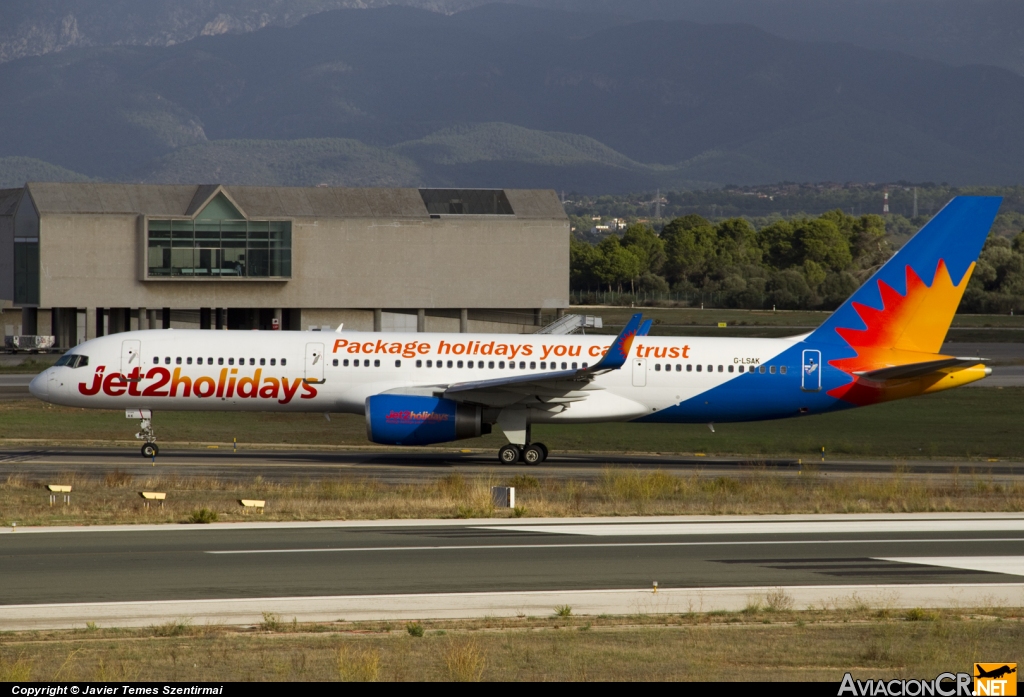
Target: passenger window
(470, 364)
(522, 365)
(449, 364)
(156, 361)
(720, 369)
(657, 367)
(564, 365)
(188, 361)
(772, 370)
(419, 364)
(490, 364)
(741, 369)
(533, 365)
(209, 361)
(284, 361)
(231, 361)
(679, 367)
(711, 368)
(430, 364)
(761, 369)
(398, 364)
(731, 369)
(263, 361)
(501, 364)
(459, 364)
(344, 362)
(699, 367)
(335, 362)
(376, 363)
(689, 367)
(543, 365)
(574, 366)
(167, 360)
(220, 361)
(584, 366)
(177, 360)
(782, 369)
(273, 361)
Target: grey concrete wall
(92, 260)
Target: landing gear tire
(509, 454)
(150, 450)
(545, 449)
(534, 454)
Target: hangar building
(82, 260)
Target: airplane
(995, 673)
(882, 344)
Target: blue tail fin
(909, 303)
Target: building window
(223, 248)
(26, 270)
(466, 202)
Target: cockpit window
(72, 360)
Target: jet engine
(414, 420)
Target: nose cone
(40, 385)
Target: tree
(690, 244)
(615, 264)
(647, 246)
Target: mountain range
(504, 95)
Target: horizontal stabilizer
(916, 370)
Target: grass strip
(114, 499)
(966, 423)
(763, 642)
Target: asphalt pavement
(141, 565)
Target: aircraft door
(130, 356)
(810, 375)
(639, 372)
(315, 363)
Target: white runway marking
(772, 527)
(747, 543)
(1013, 566)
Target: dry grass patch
(113, 498)
(761, 644)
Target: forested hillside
(505, 95)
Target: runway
(401, 467)
(133, 574)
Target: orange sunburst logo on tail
(907, 329)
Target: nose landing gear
(150, 448)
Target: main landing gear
(150, 448)
(515, 423)
(532, 454)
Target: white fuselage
(176, 369)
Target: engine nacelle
(413, 420)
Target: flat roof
(176, 200)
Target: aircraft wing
(548, 388)
(916, 370)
